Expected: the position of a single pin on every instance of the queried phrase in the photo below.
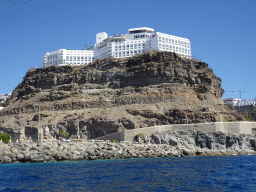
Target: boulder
(6, 159)
(14, 150)
(20, 157)
(172, 141)
(156, 138)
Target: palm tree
(91, 47)
(86, 46)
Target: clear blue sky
(222, 33)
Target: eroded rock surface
(110, 95)
(159, 144)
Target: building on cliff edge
(137, 41)
(68, 57)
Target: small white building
(231, 101)
(68, 57)
(137, 41)
(247, 102)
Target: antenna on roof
(240, 92)
(231, 92)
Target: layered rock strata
(110, 95)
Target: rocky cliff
(110, 95)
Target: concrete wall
(225, 127)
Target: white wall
(101, 36)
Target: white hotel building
(68, 57)
(137, 41)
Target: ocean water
(230, 173)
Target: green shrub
(115, 141)
(5, 137)
(226, 119)
(248, 118)
(63, 133)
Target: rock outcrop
(110, 95)
(163, 144)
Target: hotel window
(131, 46)
(115, 54)
(135, 46)
(119, 54)
(85, 58)
(78, 58)
(131, 52)
(67, 58)
(89, 58)
(123, 47)
(127, 53)
(82, 58)
(135, 51)
(127, 46)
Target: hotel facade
(137, 41)
(68, 57)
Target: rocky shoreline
(142, 147)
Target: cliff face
(154, 88)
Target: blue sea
(229, 173)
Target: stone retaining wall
(224, 127)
